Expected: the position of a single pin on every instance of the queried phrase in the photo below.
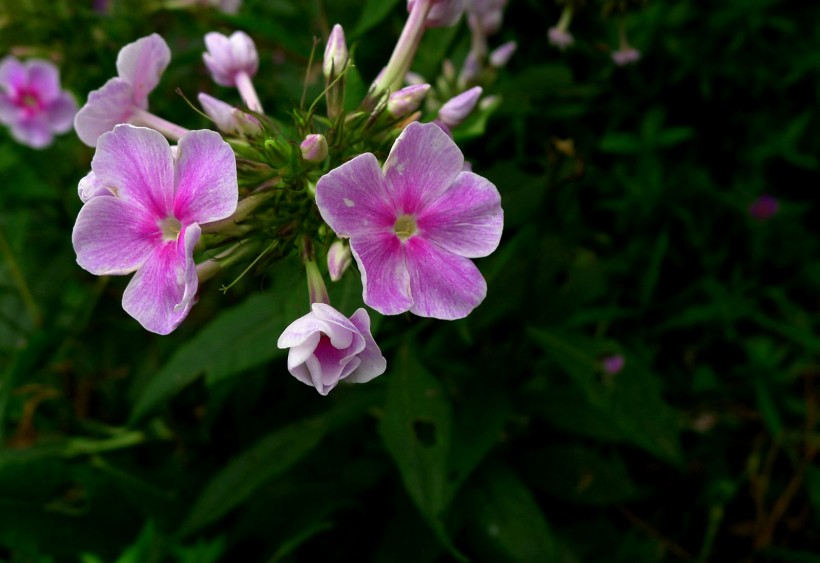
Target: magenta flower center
(29, 102)
(170, 227)
(405, 227)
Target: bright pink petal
(13, 75)
(9, 112)
(384, 274)
(111, 236)
(467, 219)
(105, 108)
(60, 113)
(44, 79)
(206, 185)
(423, 163)
(141, 64)
(443, 285)
(373, 363)
(353, 200)
(136, 164)
(162, 292)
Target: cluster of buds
(176, 207)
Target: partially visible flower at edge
(326, 347)
(415, 224)
(32, 103)
(143, 212)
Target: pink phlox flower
(326, 347)
(149, 219)
(443, 13)
(32, 103)
(560, 38)
(228, 57)
(139, 68)
(485, 16)
(415, 224)
(625, 56)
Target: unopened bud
(443, 13)
(314, 148)
(335, 53)
(501, 56)
(626, 56)
(469, 70)
(458, 108)
(560, 38)
(339, 259)
(227, 118)
(407, 100)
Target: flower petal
(206, 184)
(111, 236)
(13, 75)
(44, 79)
(162, 292)
(89, 187)
(105, 108)
(384, 274)
(136, 164)
(60, 113)
(353, 200)
(467, 219)
(141, 64)
(443, 285)
(373, 363)
(423, 163)
(9, 112)
(34, 133)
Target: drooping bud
(314, 148)
(339, 259)
(560, 38)
(229, 119)
(226, 57)
(335, 53)
(458, 108)
(501, 55)
(626, 55)
(407, 100)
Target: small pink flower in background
(613, 364)
(458, 108)
(560, 38)
(502, 55)
(626, 56)
(415, 224)
(32, 104)
(764, 207)
(443, 13)
(122, 99)
(143, 210)
(229, 57)
(326, 347)
(485, 16)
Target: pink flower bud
(336, 54)
(227, 57)
(625, 56)
(501, 56)
(227, 118)
(559, 37)
(613, 364)
(407, 100)
(443, 13)
(458, 108)
(339, 259)
(314, 148)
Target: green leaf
(416, 430)
(506, 523)
(270, 457)
(373, 13)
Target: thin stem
(316, 285)
(565, 19)
(148, 119)
(248, 92)
(20, 281)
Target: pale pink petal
(322, 318)
(384, 274)
(141, 64)
(9, 112)
(44, 79)
(112, 237)
(206, 184)
(105, 108)
(13, 75)
(443, 285)
(373, 363)
(352, 198)
(161, 293)
(34, 133)
(136, 164)
(89, 187)
(466, 219)
(423, 163)
(60, 113)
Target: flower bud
(227, 118)
(470, 70)
(339, 259)
(559, 37)
(407, 100)
(314, 148)
(458, 108)
(625, 56)
(443, 13)
(501, 56)
(335, 53)
(613, 364)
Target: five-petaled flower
(326, 347)
(143, 211)
(124, 98)
(32, 103)
(414, 225)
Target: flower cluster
(177, 213)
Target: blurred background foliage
(500, 437)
